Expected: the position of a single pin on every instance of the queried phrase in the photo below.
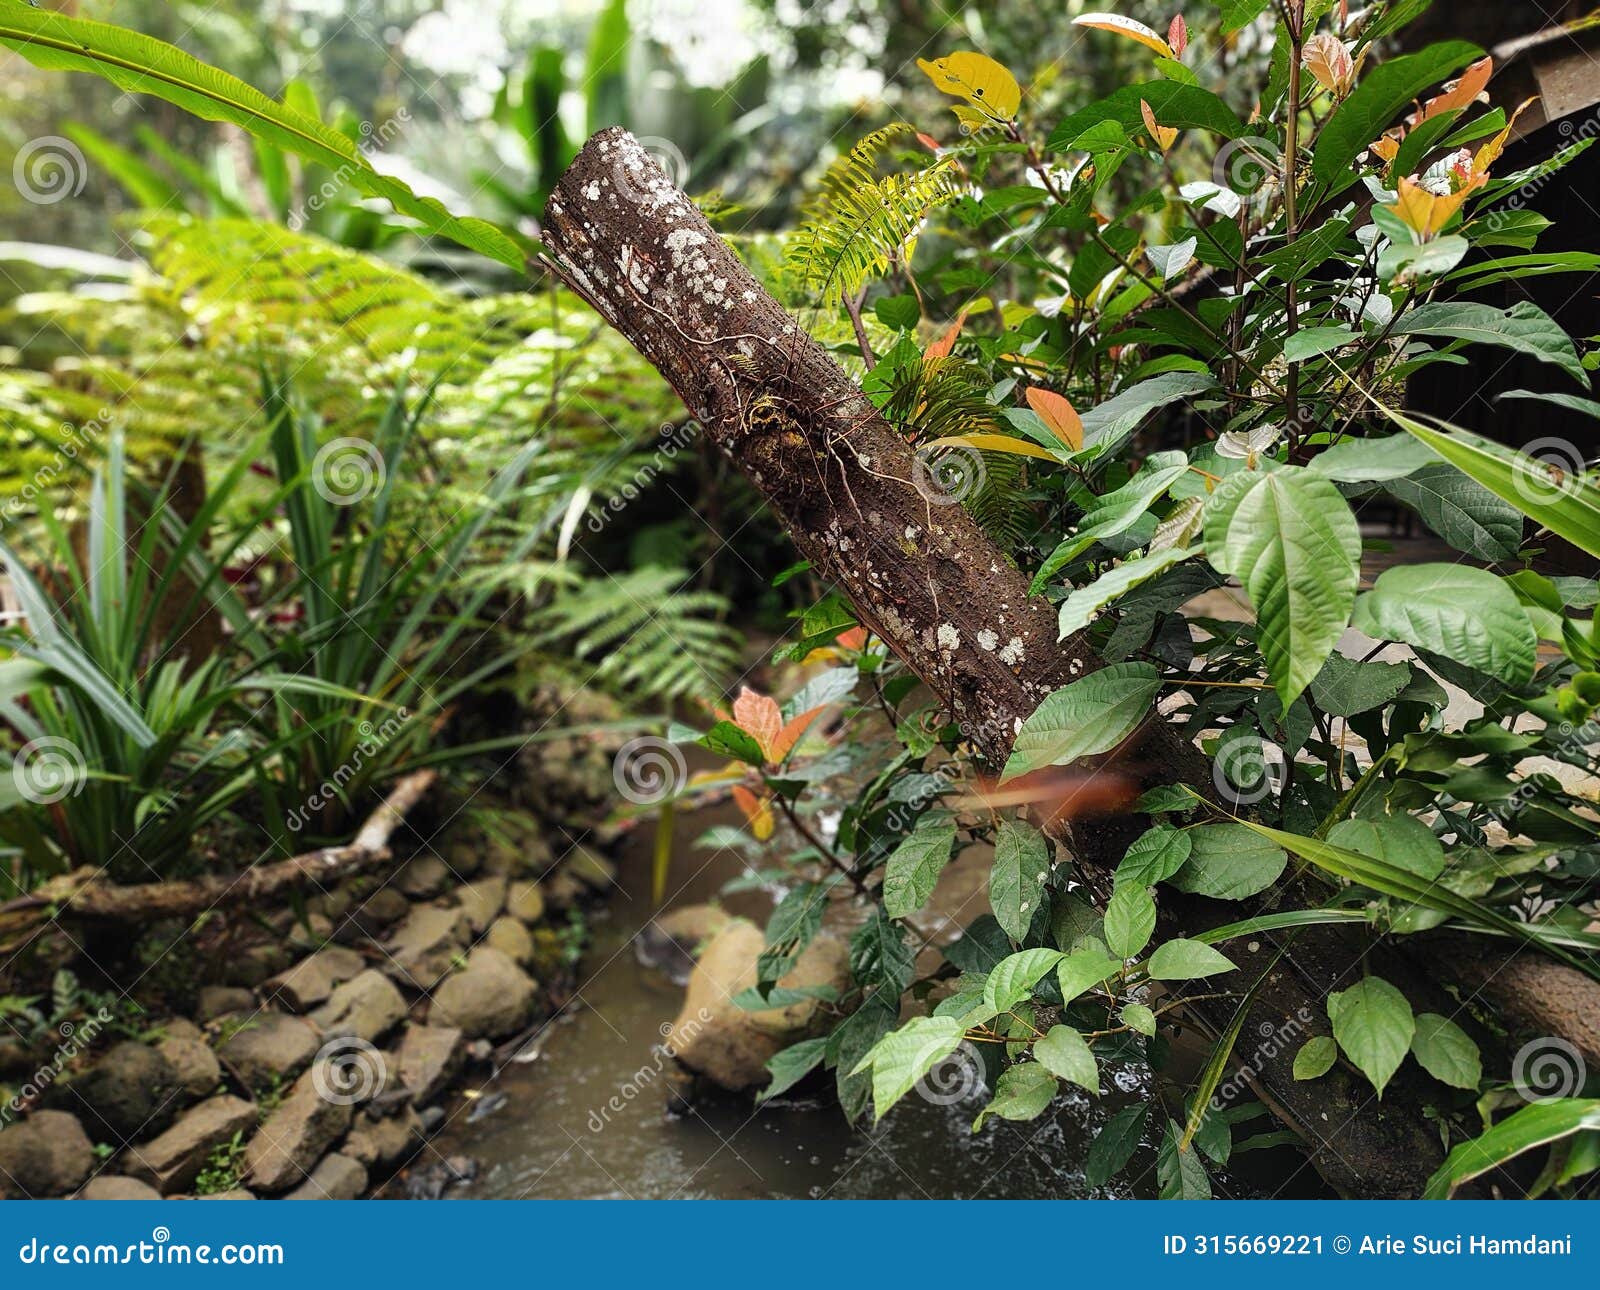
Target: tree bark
(862, 509)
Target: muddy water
(586, 1116)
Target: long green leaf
(1531, 1127)
(142, 65)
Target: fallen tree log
(85, 894)
(862, 508)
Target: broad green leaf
(728, 740)
(1184, 106)
(1130, 919)
(1355, 461)
(1316, 1057)
(1107, 424)
(1021, 1093)
(1083, 970)
(1290, 537)
(1374, 103)
(1461, 511)
(904, 1056)
(1237, 14)
(1316, 341)
(1065, 1055)
(1115, 513)
(1446, 1051)
(1400, 840)
(1078, 610)
(1572, 402)
(1014, 977)
(1183, 960)
(1139, 1017)
(914, 866)
(1566, 504)
(792, 1065)
(1228, 862)
(1114, 1145)
(1017, 877)
(1373, 1024)
(1532, 1126)
(1347, 688)
(1156, 854)
(1524, 327)
(142, 65)
(1180, 1172)
(1466, 614)
(1084, 717)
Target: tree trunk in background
(922, 574)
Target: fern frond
(854, 170)
(863, 228)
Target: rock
(333, 905)
(671, 942)
(430, 1181)
(215, 1001)
(254, 964)
(562, 890)
(336, 1177)
(465, 856)
(727, 1045)
(384, 1141)
(422, 876)
(429, 1058)
(170, 1162)
(590, 868)
(432, 1120)
(423, 949)
(382, 907)
(16, 1059)
(238, 1193)
(131, 1092)
(47, 1154)
(295, 1136)
(491, 999)
(482, 901)
(366, 1006)
(311, 932)
(117, 1187)
(191, 1058)
(311, 980)
(271, 1047)
(525, 900)
(693, 925)
(512, 939)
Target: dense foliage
(1023, 295)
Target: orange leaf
(789, 736)
(1387, 147)
(1164, 135)
(1459, 95)
(852, 638)
(1327, 59)
(1059, 416)
(759, 717)
(1423, 212)
(941, 348)
(756, 812)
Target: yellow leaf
(993, 443)
(978, 79)
(1058, 415)
(1164, 135)
(1490, 152)
(1388, 148)
(1425, 213)
(1126, 27)
(973, 119)
(756, 812)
